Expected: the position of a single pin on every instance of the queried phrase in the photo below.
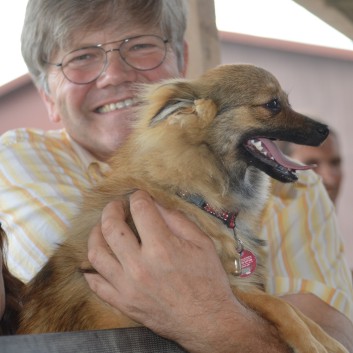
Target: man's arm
(41, 184)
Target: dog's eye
(274, 105)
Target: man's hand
(173, 281)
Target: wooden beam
(332, 14)
(202, 37)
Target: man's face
(328, 160)
(98, 115)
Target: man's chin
(115, 138)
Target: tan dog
(198, 147)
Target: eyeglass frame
(100, 46)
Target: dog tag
(248, 263)
(237, 266)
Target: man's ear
(50, 105)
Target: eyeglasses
(85, 65)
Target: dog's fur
(13, 288)
(190, 138)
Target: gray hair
(50, 24)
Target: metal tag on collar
(245, 260)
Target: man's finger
(147, 218)
(103, 288)
(118, 234)
(100, 255)
(182, 226)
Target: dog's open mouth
(272, 161)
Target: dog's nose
(323, 130)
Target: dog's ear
(182, 106)
(203, 113)
(172, 108)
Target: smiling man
(86, 58)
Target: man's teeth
(115, 106)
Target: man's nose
(116, 70)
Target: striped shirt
(43, 175)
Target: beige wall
(21, 106)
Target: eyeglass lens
(87, 64)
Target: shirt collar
(95, 168)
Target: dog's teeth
(261, 148)
(257, 144)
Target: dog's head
(236, 111)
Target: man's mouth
(107, 108)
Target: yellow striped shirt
(305, 251)
(43, 175)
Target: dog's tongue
(280, 157)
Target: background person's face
(98, 115)
(327, 157)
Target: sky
(11, 20)
(281, 19)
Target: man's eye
(77, 59)
(141, 46)
(83, 58)
(274, 105)
(336, 162)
